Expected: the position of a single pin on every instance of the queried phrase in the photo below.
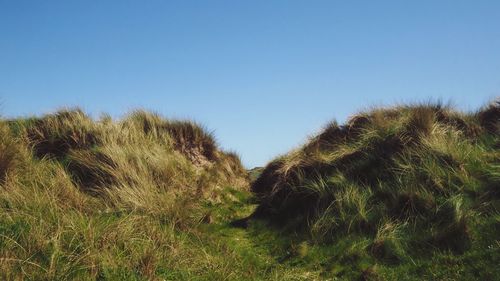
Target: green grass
(405, 190)
(102, 199)
(404, 193)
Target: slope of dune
(397, 187)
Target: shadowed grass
(403, 193)
(413, 180)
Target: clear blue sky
(262, 74)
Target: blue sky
(262, 74)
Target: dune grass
(404, 185)
(403, 193)
(89, 199)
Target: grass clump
(55, 134)
(413, 180)
(10, 152)
(85, 199)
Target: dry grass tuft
(9, 152)
(489, 118)
(54, 135)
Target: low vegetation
(402, 193)
(86, 199)
(406, 191)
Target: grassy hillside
(85, 199)
(403, 192)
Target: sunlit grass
(403, 193)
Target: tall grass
(411, 178)
(408, 192)
(90, 199)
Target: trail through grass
(406, 193)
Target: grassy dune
(85, 199)
(401, 193)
